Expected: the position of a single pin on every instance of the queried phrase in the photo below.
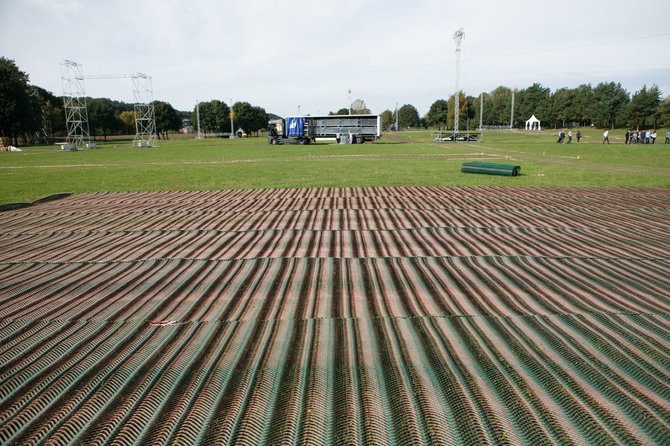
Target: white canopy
(533, 124)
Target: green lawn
(188, 164)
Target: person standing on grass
(646, 137)
(579, 136)
(606, 137)
(569, 136)
(667, 137)
(627, 136)
(653, 136)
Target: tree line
(25, 110)
(607, 105)
(215, 117)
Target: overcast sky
(304, 56)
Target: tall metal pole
(197, 114)
(511, 118)
(396, 116)
(458, 38)
(481, 109)
(232, 129)
(349, 100)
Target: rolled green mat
(509, 170)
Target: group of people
(561, 137)
(642, 137)
(632, 137)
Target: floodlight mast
(458, 38)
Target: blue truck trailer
(307, 129)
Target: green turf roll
(509, 170)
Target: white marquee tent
(533, 124)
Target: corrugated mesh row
(337, 316)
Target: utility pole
(197, 114)
(458, 38)
(396, 116)
(511, 118)
(349, 100)
(232, 128)
(481, 110)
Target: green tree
(387, 119)
(534, 100)
(249, 117)
(487, 112)
(20, 113)
(664, 111)
(103, 116)
(562, 104)
(408, 116)
(610, 103)
(643, 107)
(167, 118)
(584, 104)
(342, 111)
(128, 119)
(214, 117)
(437, 114)
(261, 119)
(472, 104)
(501, 106)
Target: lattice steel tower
(145, 119)
(74, 101)
(458, 38)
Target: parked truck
(306, 129)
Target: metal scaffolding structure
(75, 106)
(74, 101)
(145, 118)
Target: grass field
(399, 159)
